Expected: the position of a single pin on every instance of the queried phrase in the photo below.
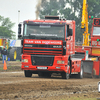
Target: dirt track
(14, 86)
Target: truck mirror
(19, 30)
(19, 36)
(70, 32)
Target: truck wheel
(48, 75)
(18, 49)
(80, 74)
(65, 75)
(13, 54)
(27, 73)
(40, 74)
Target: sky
(10, 8)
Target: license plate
(41, 67)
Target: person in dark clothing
(0, 49)
(4, 54)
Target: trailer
(91, 65)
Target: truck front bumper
(45, 68)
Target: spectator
(0, 49)
(4, 54)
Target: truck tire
(13, 54)
(40, 74)
(65, 75)
(27, 73)
(18, 53)
(48, 75)
(44, 74)
(80, 74)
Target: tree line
(6, 27)
(71, 10)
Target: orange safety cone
(5, 66)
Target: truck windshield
(96, 31)
(45, 31)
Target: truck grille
(42, 49)
(42, 60)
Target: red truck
(48, 46)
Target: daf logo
(57, 46)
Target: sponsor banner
(30, 41)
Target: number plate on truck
(41, 67)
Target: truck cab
(47, 46)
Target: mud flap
(96, 69)
(87, 68)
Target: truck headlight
(25, 60)
(60, 62)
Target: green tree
(6, 27)
(71, 10)
(50, 8)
